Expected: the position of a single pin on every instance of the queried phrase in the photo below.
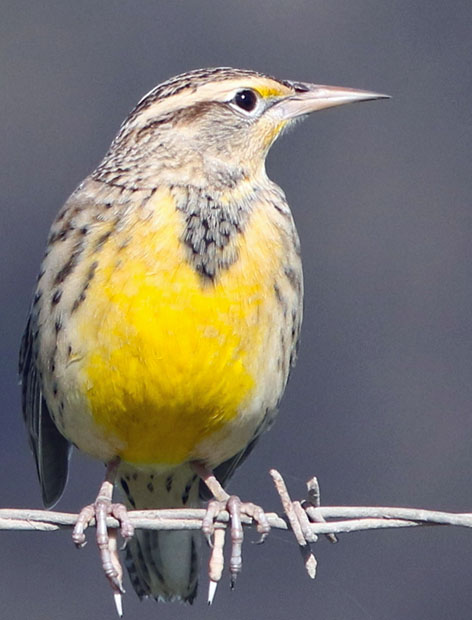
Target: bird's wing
(51, 450)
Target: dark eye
(246, 100)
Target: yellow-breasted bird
(167, 311)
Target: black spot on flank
(102, 240)
(282, 301)
(54, 389)
(169, 483)
(62, 234)
(88, 279)
(150, 487)
(84, 230)
(61, 215)
(281, 208)
(186, 492)
(124, 244)
(282, 339)
(125, 486)
(56, 298)
(91, 271)
(37, 297)
(293, 276)
(135, 476)
(69, 266)
(72, 212)
(277, 293)
(78, 301)
(69, 350)
(58, 325)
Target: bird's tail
(162, 564)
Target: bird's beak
(313, 97)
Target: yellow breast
(167, 358)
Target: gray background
(379, 405)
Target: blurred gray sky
(379, 406)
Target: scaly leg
(106, 541)
(235, 508)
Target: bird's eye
(246, 100)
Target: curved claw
(106, 539)
(208, 523)
(86, 515)
(235, 508)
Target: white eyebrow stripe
(216, 91)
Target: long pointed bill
(313, 97)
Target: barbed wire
(306, 518)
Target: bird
(167, 314)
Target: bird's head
(212, 126)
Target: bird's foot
(215, 536)
(235, 508)
(107, 543)
(106, 539)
